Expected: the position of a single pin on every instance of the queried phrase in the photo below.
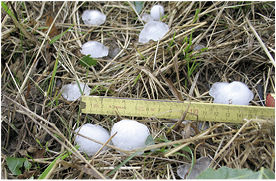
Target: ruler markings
(174, 109)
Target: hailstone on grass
(231, 93)
(156, 12)
(95, 132)
(130, 134)
(93, 17)
(153, 30)
(94, 49)
(71, 92)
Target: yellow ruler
(174, 109)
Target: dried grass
(240, 40)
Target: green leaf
(149, 141)
(27, 164)
(229, 173)
(14, 164)
(138, 6)
(87, 61)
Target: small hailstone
(94, 49)
(156, 12)
(130, 134)
(93, 17)
(153, 30)
(231, 93)
(95, 132)
(146, 17)
(71, 92)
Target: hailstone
(93, 17)
(130, 135)
(94, 49)
(71, 92)
(231, 93)
(153, 30)
(92, 131)
(156, 12)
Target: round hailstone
(130, 134)
(156, 12)
(93, 17)
(71, 92)
(153, 30)
(94, 49)
(95, 132)
(231, 93)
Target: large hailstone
(95, 132)
(130, 134)
(231, 93)
(93, 17)
(94, 49)
(156, 12)
(153, 30)
(71, 92)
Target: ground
(38, 123)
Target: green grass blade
(124, 162)
(59, 36)
(50, 167)
(6, 8)
(50, 88)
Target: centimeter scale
(169, 109)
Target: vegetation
(40, 51)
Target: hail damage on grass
(38, 123)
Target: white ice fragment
(94, 49)
(93, 17)
(71, 92)
(200, 165)
(146, 17)
(130, 134)
(92, 131)
(231, 93)
(153, 30)
(156, 12)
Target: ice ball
(153, 30)
(94, 49)
(130, 134)
(92, 131)
(231, 93)
(156, 12)
(71, 92)
(93, 17)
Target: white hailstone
(94, 49)
(93, 17)
(146, 17)
(156, 12)
(71, 92)
(95, 132)
(153, 30)
(130, 135)
(231, 93)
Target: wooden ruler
(174, 109)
